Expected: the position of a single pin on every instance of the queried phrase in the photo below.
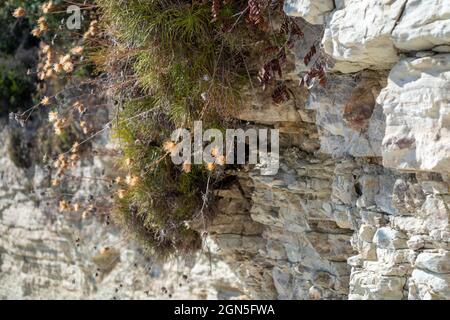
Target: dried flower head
(19, 13)
(63, 205)
(61, 162)
(59, 125)
(68, 67)
(47, 7)
(84, 127)
(42, 23)
(53, 116)
(92, 30)
(77, 50)
(58, 131)
(79, 106)
(85, 214)
(169, 146)
(45, 48)
(45, 101)
(132, 180)
(75, 147)
(121, 193)
(76, 207)
(220, 160)
(49, 73)
(118, 180)
(210, 166)
(58, 67)
(36, 32)
(74, 158)
(43, 27)
(187, 167)
(64, 59)
(214, 152)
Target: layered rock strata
(358, 210)
(382, 129)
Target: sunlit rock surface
(358, 210)
(416, 104)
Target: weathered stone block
(423, 25)
(415, 103)
(358, 36)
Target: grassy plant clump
(178, 54)
(172, 63)
(17, 54)
(158, 198)
(16, 88)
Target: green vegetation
(16, 56)
(167, 64)
(19, 51)
(171, 63)
(16, 88)
(155, 208)
(173, 46)
(19, 86)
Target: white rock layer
(358, 36)
(313, 11)
(400, 220)
(424, 24)
(416, 104)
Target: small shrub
(156, 208)
(16, 88)
(167, 64)
(171, 63)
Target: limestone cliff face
(365, 214)
(359, 208)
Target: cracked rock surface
(358, 210)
